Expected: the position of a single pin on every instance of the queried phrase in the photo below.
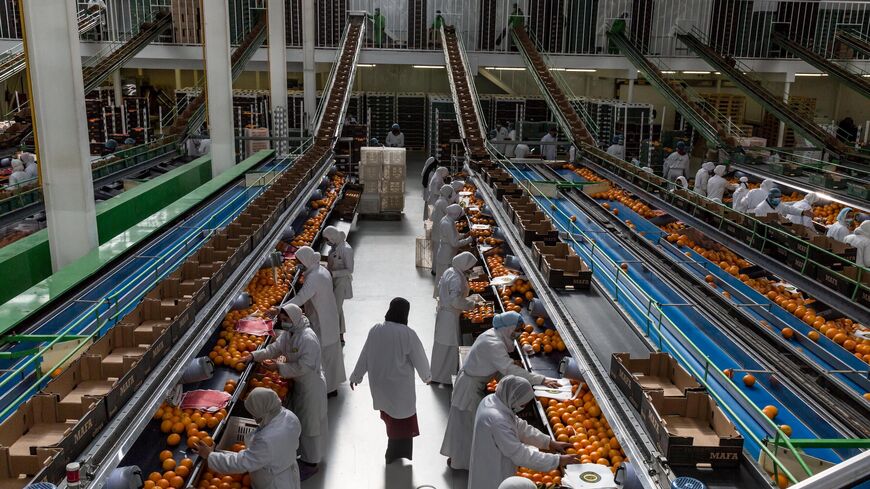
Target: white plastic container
(588, 476)
(197, 370)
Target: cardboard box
(839, 278)
(691, 430)
(660, 372)
(829, 244)
(539, 249)
(118, 349)
(151, 317)
(47, 465)
(81, 387)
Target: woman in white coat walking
(449, 240)
(488, 356)
(300, 349)
(391, 354)
(340, 265)
(318, 299)
(452, 300)
(270, 450)
(502, 441)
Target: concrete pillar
(718, 85)
(177, 79)
(51, 43)
(278, 73)
(219, 85)
(630, 97)
(789, 79)
(309, 75)
(116, 84)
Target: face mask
(286, 325)
(849, 220)
(774, 202)
(517, 409)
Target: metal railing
(740, 28)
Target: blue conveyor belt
(722, 350)
(129, 282)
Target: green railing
(111, 300)
(646, 305)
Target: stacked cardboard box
(382, 173)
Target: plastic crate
(423, 253)
(236, 429)
(370, 173)
(392, 202)
(369, 203)
(392, 187)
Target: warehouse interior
(632, 238)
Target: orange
(192, 441)
(814, 335)
(178, 427)
(787, 333)
(749, 380)
(149, 484)
(176, 482)
(154, 476)
(186, 462)
(166, 426)
(729, 372)
(182, 471)
(781, 481)
(770, 411)
(786, 429)
(163, 484)
(165, 454)
(173, 439)
(168, 464)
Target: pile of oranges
(174, 472)
(480, 313)
(210, 480)
(491, 385)
(478, 286)
(481, 235)
(312, 225)
(579, 421)
(264, 291)
(514, 296)
(544, 480)
(622, 196)
(495, 262)
(585, 173)
(175, 423)
(231, 346)
(271, 380)
(547, 341)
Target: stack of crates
(393, 181)
(371, 166)
(382, 173)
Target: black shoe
(333, 393)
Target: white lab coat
(716, 187)
(548, 151)
(269, 456)
(452, 300)
(390, 355)
(702, 177)
(616, 150)
(438, 213)
(839, 231)
(17, 178)
(756, 196)
(521, 151)
(860, 239)
(395, 140)
(487, 357)
(501, 137)
(339, 262)
(433, 192)
(739, 198)
(806, 221)
(449, 243)
(318, 298)
(675, 165)
(301, 352)
(509, 148)
(501, 444)
(784, 210)
(32, 170)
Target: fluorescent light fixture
(365, 65)
(866, 76)
(427, 67)
(505, 68)
(716, 73)
(811, 74)
(696, 72)
(667, 72)
(580, 70)
(557, 69)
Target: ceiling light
(557, 69)
(365, 65)
(696, 72)
(505, 68)
(581, 70)
(716, 73)
(668, 72)
(866, 76)
(811, 74)
(427, 67)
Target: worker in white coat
(739, 198)
(682, 183)
(512, 137)
(439, 210)
(840, 229)
(318, 299)
(702, 177)
(860, 239)
(677, 163)
(488, 356)
(339, 262)
(521, 151)
(774, 204)
(390, 355)
(617, 149)
(457, 186)
(452, 300)
(436, 181)
(395, 138)
(548, 151)
(805, 205)
(757, 196)
(717, 184)
(449, 240)
(18, 177)
(297, 351)
(502, 442)
(501, 137)
(270, 450)
(30, 166)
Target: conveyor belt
(850, 79)
(854, 39)
(804, 185)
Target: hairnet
(767, 184)
(28, 158)
(464, 261)
(841, 217)
(811, 198)
(308, 257)
(681, 145)
(395, 126)
(446, 191)
(334, 235)
(398, 311)
(863, 229)
(515, 392)
(457, 185)
(709, 166)
(744, 180)
(516, 482)
(263, 404)
(719, 170)
(17, 165)
(508, 319)
(774, 192)
(442, 171)
(298, 320)
(454, 211)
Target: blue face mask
(774, 202)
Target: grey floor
(384, 268)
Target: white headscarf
(308, 257)
(298, 321)
(454, 211)
(17, 165)
(263, 404)
(863, 229)
(514, 392)
(446, 191)
(457, 185)
(464, 261)
(334, 235)
(811, 198)
(720, 170)
(516, 482)
(28, 158)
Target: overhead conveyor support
(12, 61)
(854, 81)
(104, 66)
(772, 103)
(702, 120)
(854, 40)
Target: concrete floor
(384, 269)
